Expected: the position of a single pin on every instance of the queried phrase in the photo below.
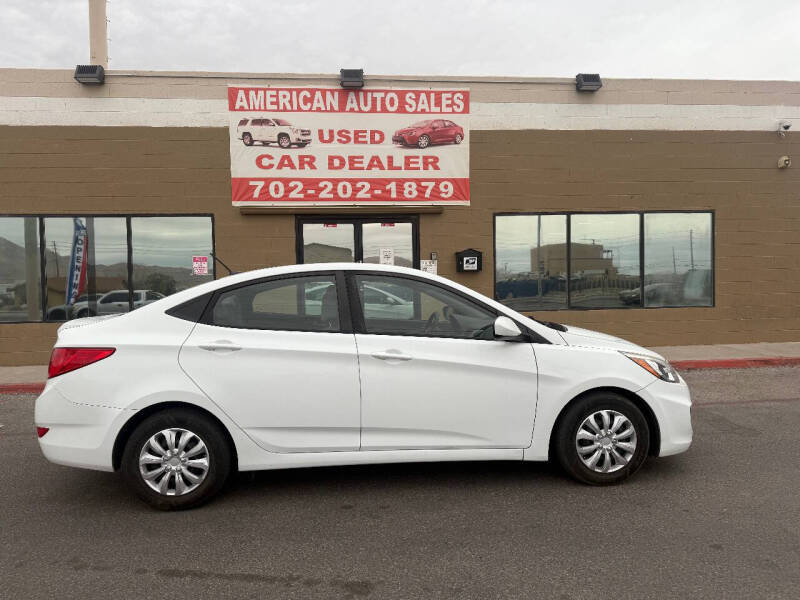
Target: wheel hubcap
(174, 462)
(606, 441)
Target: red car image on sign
(426, 133)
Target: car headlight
(655, 366)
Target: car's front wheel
(176, 459)
(602, 439)
(424, 141)
(284, 141)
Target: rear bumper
(672, 405)
(80, 435)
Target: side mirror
(506, 328)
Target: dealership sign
(313, 146)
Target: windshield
(283, 122)
(420, 124)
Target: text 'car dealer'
(346, 364)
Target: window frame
(641, 214)
(342, 300)
(358, 232)
(83, 215)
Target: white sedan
(252, 372)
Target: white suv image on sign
(272, 131)
(331, 364)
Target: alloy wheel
(606, 441)
(174, 462)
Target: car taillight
(64, 360)
(40, 431)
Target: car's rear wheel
(602, 439)
(458, 139)
(424, 141)
(284, 141)
(176, 459)
(247, 139)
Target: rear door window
(307, 303)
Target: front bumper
(672, 405)
(406, 140)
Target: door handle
(220, 345)
(391, 355)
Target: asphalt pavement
(721, 521)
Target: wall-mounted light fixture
(588, 82)
(91, 74)
(351, 78)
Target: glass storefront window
(605, 269)
(531, 261)
(328, 242)
(677, 259)
(398, 237)
(20, 275)
(162, 252)
(604, 260)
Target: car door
(437, 378)
(286, 373)
(113, 302)
(269, 132)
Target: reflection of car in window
(269, 131)
(426, 133)
(377, 302)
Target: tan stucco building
(672, 187)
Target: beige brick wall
(129, 170)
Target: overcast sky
(739, 39)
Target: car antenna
(219, 260)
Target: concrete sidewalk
(30, 379)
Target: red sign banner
(312, 146)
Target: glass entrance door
(364, 239)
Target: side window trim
(345, 320)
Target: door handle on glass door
(220, 345)
(391, 355)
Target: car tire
(247, 139)
(424, 141)
(284, 141)
(85, 313)
(585, 435)
(302, 145)
(204, 455)
(458, 139)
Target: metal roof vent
(588, 82)
(94, 74)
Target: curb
(735, 363)
(681, 365)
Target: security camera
(783, 127)
(784, 162)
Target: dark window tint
(242, 122)
(398, 306)
(296, 304)
(114, 297)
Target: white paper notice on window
(428, 266)
(199, 265)
(387, 256)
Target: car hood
(407, 130)
(577, 336)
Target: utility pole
(691, 247)
(55, 260)
(98, 33)
(539, 253)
